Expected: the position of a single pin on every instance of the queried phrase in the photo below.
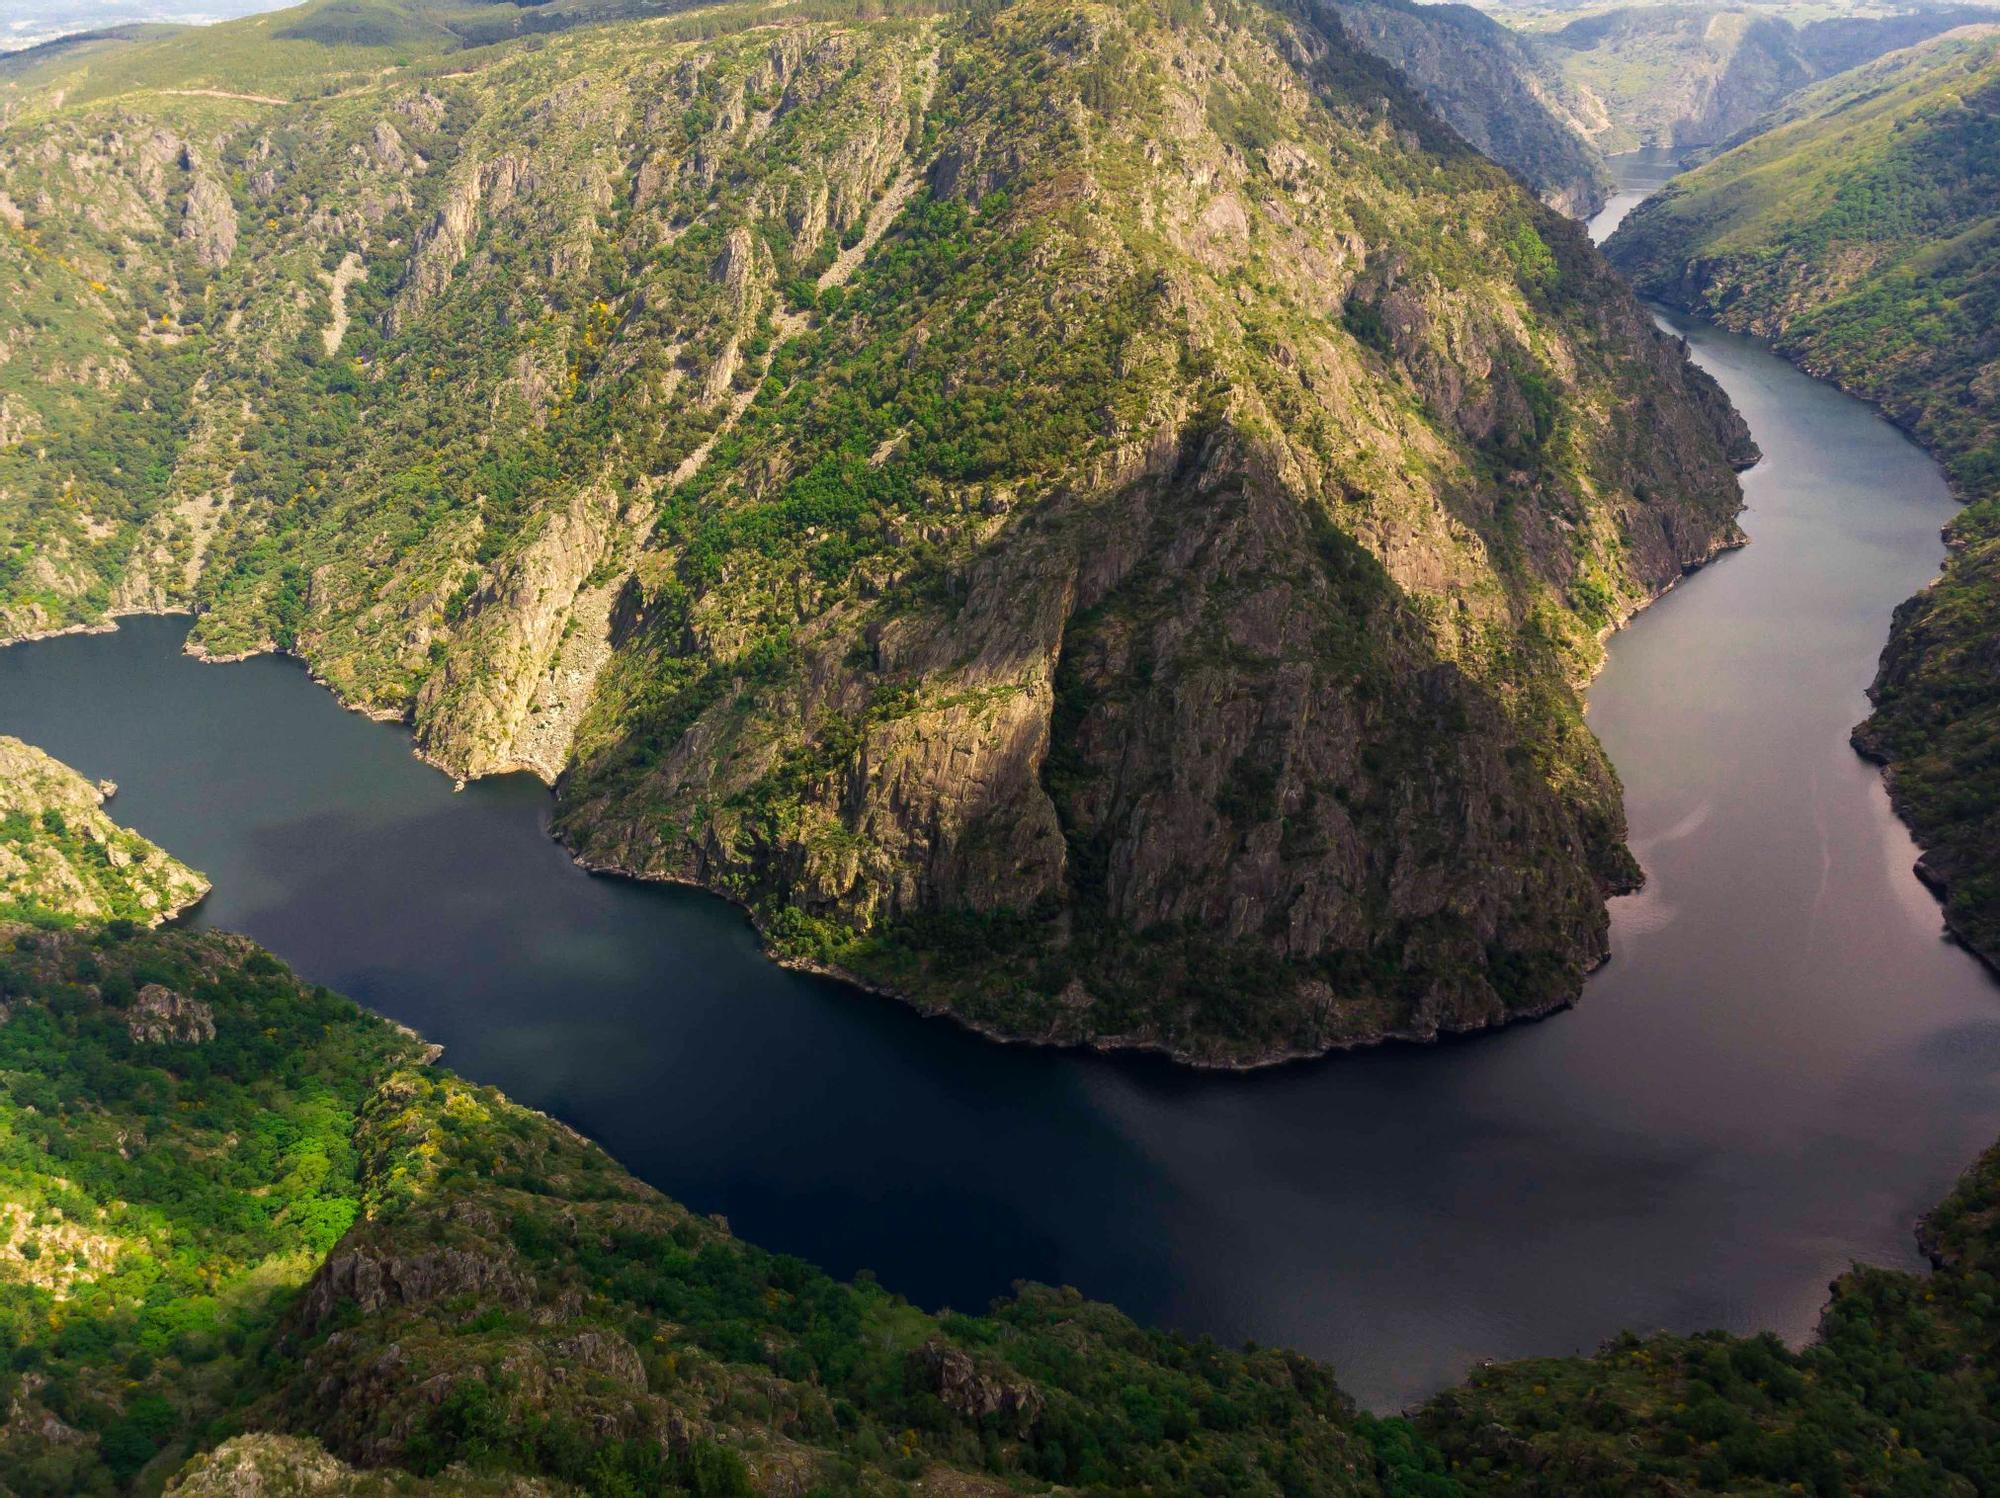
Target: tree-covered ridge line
(799, 767)
(1861, 233)
(251, 1240)
(62, 859)
(783, 434)
(248, 1238)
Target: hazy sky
(25, 22)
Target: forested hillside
(1862, 234)
(254, 1240)
(231, 1202)
(1093, 518)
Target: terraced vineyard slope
(1093, 518)
(1862, 234)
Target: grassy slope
(1862, 234)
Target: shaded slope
(1897, 1395)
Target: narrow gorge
(1107, 525)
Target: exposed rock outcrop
(159, 1016)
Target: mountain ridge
(856, 380)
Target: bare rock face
(1494, 88)
(373, 1283)
(254, 1466)
(265, 1465)
(159, 1016)
(958, 1382)
(208, 222)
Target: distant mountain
(1698, 75)
(1493, 87)
(1861, 232)
(29, 23)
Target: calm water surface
(1781, 1067)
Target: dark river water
(1781, 1067)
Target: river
(1780, 1068)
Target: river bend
(1782, 1065)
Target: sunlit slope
(237, 1211)
(1093, 518)
(62, 859)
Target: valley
(1096, 526)
(1779, 911)
(1861, 233)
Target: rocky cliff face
(62, 857)
(1094, 521)
(1191, 726)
